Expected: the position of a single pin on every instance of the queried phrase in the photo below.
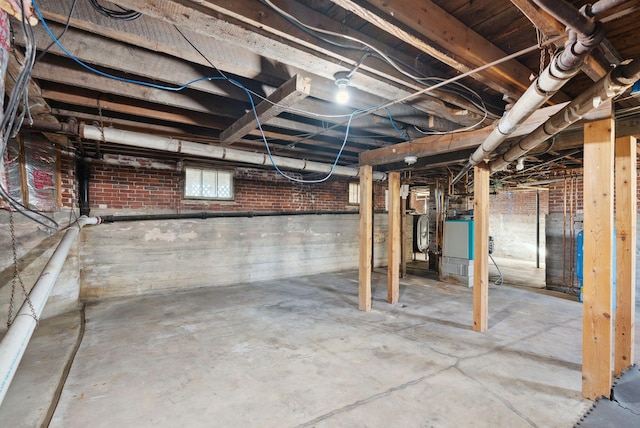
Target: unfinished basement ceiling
(289, 52)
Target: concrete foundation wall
(515, 236)
(35, 245)
(134, 258)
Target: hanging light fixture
(342, 81)
(520, 163)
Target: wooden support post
(403, 237)
(626, 186)
(598, 253)
(393, 269)
(481, 247)
(366, 237)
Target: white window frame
(190, 173)
(354, 193)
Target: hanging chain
(16, 276)
(102, 139)
(544, 52)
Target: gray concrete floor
(298, 353)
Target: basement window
(354, 193)
(205, 183)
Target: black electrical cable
(66, 27)
(120, 14)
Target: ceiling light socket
(410, 160)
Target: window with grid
(204, 183)
(354, 193)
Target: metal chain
(102, 139)
(16, 276)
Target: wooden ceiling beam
(595, 65)
(294, 50)
(465, 49)
(433, 145)
(133, 108)
(287, 95)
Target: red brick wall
(68, 184)
(518, 202)
(134, 185)
(567, 191)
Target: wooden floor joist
(366, 238)
(626, 213)
(291, 92)
(481, 248)
(598, 254)
(393, 288)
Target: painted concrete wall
(134, 258)
(35, 245)
(515, 236)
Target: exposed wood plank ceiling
(396, 47)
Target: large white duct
(136, 139)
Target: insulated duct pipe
(584, 35)
(610, 86)
(17, 337)
(135, 139)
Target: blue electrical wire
(209, 78)
(393, 123)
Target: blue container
(580, 265)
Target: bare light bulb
(342, 96)
(520, 164)
(342, 81)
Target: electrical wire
(351, 117)
(186, 85)
(315, 31)
(66, 27)
(12, 121)
(120, 14)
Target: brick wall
(518, 202)
(68, 184)
(565, 192)
(570, 189)
(144, 184)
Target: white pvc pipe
(15, 341)
(136, 139)
(603, 90)
(543, 88)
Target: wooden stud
(481, 247)
(598, 252)
(625, 200)
(393, 268)
(366, 238)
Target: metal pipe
(537, 229)
(602, 6)
(15, 341)
(217, 214)
(610, 86)
(136, 139)
(584, 36)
